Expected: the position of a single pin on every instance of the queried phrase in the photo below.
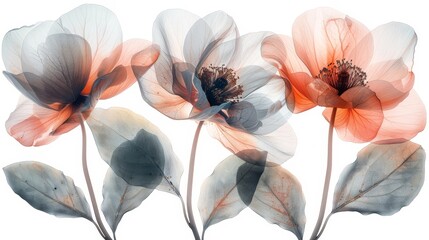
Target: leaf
(47, 189)
(232, 180)
(119, 198)
(279, 200)
(382, 180)
(135, 149)
(249, 173)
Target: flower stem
(327, 178)
(190, 182)
(104, 232)
(324, 226)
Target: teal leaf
(47, 189)
(225, 193)
(382, 180)
(279, 200)
(119, 198)
(135, 149)
(249, 173)
(140, 161)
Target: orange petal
(279, 144)
(280, 52)
(324, 35)
(301, 96)
(404, 121)
(324, 95)
(143, 60)
(391, 80)
(362, 121)
(33, 125)
(144, 53)
(390, 94)
(307, 91)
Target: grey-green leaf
(249, 173)
(47, 189)
(226, 191)
(135, 149)
(119, 198)
(382, 180)
(279, 200)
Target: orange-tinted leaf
(279, 200)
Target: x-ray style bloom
(63, 67)
(207, 72)
(334, 61)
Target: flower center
(220, 84)
(343, 75)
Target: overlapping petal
(207, 72)
(33, 125)
(139, 52)
(368, 109)
(280, 52)
(280, 144)
(403, 122)
(65, 66)
(324, 35)
(101, 29)
(361, 122)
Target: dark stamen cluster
(343, 75)
(220, 84)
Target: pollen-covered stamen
(220, 84)
(343, 75)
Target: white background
(160, 216)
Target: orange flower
(336, 62)
(63, 67)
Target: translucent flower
(334, 61)
(207, 72)
(63, 67)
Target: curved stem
(324, 226)
(88, 181)
(185, 215)
(327, 177)
(190, 182)
(98, 228)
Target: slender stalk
(324, 226)
(190, 182)
(104, 234)
(327, 178)
(98, 228)
(185, 215)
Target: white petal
(11, 48)
(97, 25)
(248, 51)
(170, 29)
(203, 42)
(394, 41)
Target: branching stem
(101, 227)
